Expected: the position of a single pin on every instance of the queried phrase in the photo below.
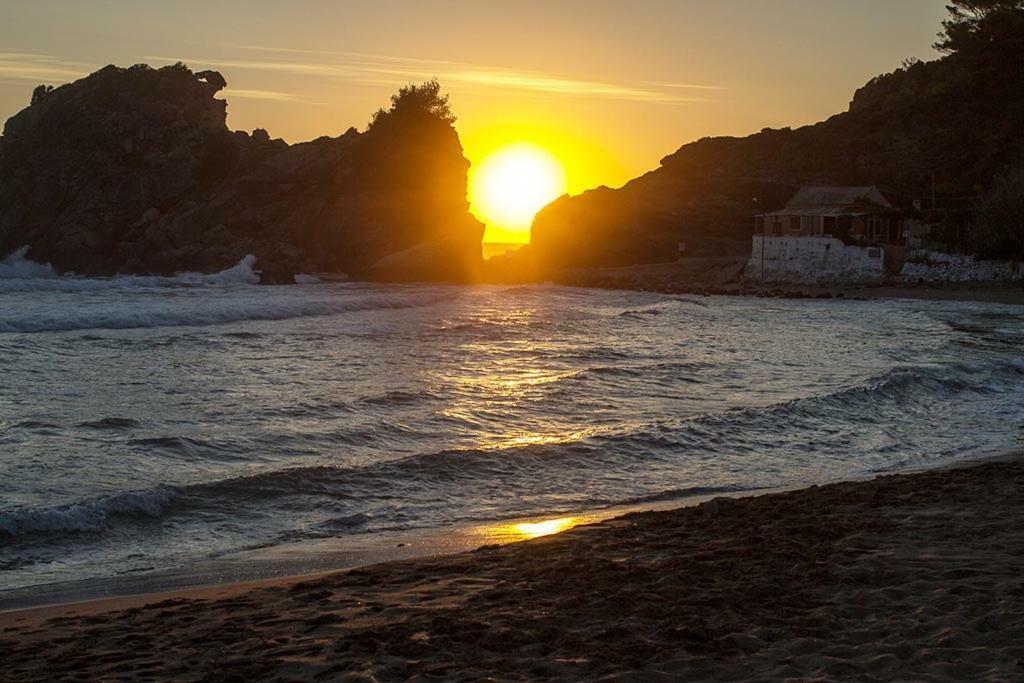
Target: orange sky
(607, 87)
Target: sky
(608, 88)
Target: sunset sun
(510, 185)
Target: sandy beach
(914, 576)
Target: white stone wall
(933, 266)
(812, 260)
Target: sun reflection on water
(545, 528)
(522, 531)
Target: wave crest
(421, 476)
(92, 516)
(18, 274)
(210, 312)
(16, 267)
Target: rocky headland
(134, 170)
(944, 132)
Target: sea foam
(16, 266)
(19, 274)
(195, 313)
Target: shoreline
(317, 558)
(903, 575)
(719, 276)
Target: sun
(510, 185)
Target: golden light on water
(509, 186)
(524, 531)
(545, 528)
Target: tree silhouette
(999, 218)
(973, 24)
(40, 93)
(417, 101)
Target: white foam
(18, 274)
(241, 273)
(16, 266)
(203, 308)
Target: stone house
(829, 234)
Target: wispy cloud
(229, 93)
(562, 86)
(684, 86)
(391, 71)
(27, 66)
(369, 69)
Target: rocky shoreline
(721, 277)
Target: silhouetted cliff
(957, 122)
(134, 170)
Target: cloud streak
(368, 69)
(27, 66)
(270, 95)
(392, 71)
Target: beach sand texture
(917, 576)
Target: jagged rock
(135, 170)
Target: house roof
(822, 200)
(822, 195)
(819, 211)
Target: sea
(147, 423)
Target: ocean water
(147, 423)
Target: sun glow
(510, 185)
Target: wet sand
(917, 576)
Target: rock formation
(947, 126)
(135, 171)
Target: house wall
(812, 260)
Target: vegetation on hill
(414, 102)
(944, 129)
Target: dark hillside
(952, 125)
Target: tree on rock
(415, 102)
(40, 93)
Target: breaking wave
(16, 266)
(200, 312)
(494, 471)
(19, 274)
(444, 405)
(87, 516)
